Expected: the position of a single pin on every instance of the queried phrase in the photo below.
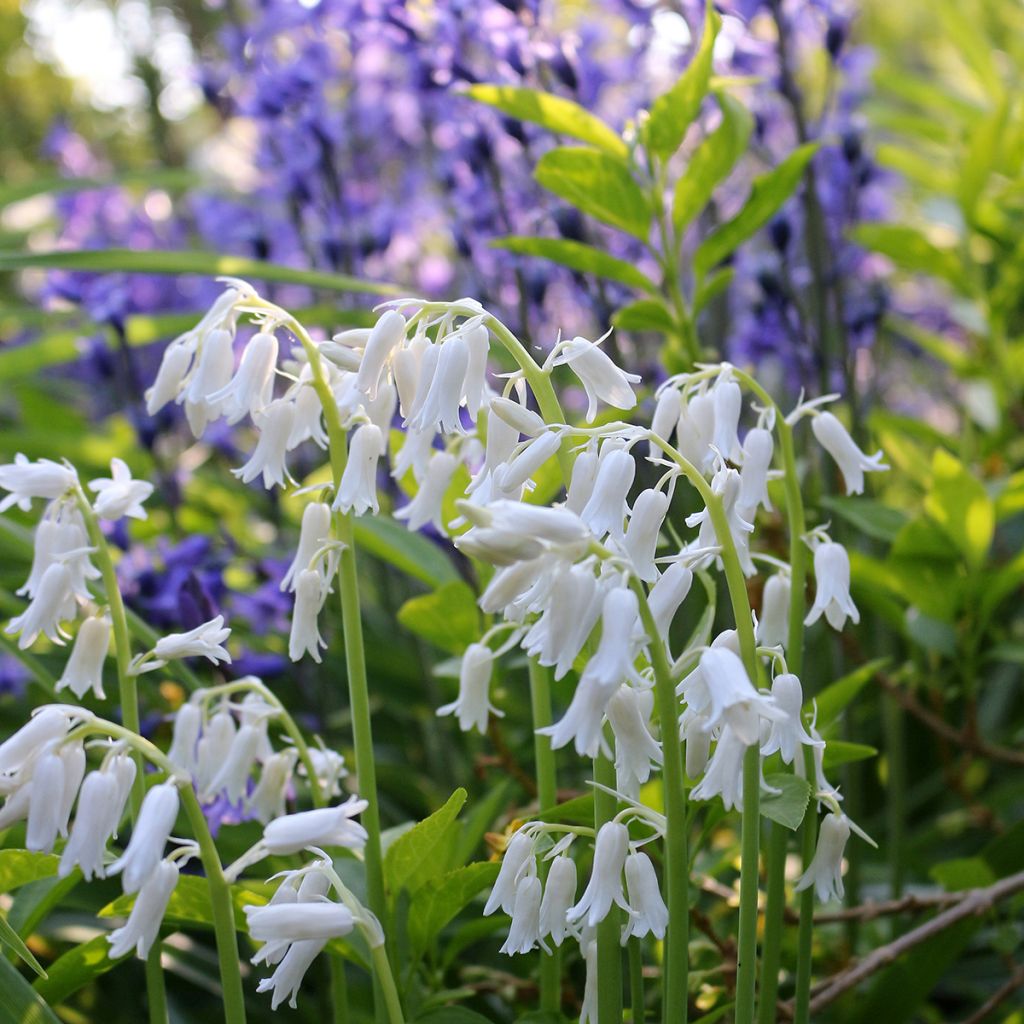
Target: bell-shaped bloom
(727, 400)
(440, 408)
(524, 931)
(473, 705)
(324, 826)
(648, 914)
(214, 744)
(84, 670)
(510, 477)
(174, 366)
(72, 756)
(514, 414)
(726, 484)
(275, 424)
(605, 512)
(286, 980)
(120, 495)
(267, 800)
(123, 769)
(555, 637)
(641, 539)
(852, 462)
(581, 483)
(723, 775)
(232, 777)
(48, 723)
(665, 419)
(205, 641)
(559, 896)
(357, 491)
(212, 374)
(605, 886)
(825, 872)
(502, 439)
(252, 387)
(149, 837)
(296, 922)
(667, 595)
(61, 537)
(832, 574)
(147, 915)
(25, 480)
(757, 461)
(427, 505)
(314, 535)
(786, 734)
(696, 431)
(602, 380)
(188, 721)
(91, 830)
(308, 418)
(498, 547)
(773, 624)
(636, 750)
(310, 593)
(733, 699)
(517, 860)
(297, 887)
(415, 455)
(54, 602)
(474, 387)
(694, 686)
(387, 334)
(45, 801)
(696, 736)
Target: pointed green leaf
(19, 867)
(838, 752)
(410, 552)
(411, 859)
(448, 617)
(711, 288)
(75, 969)
(673, 112)
(558, 115)
(9, 937)
(910, 251)
(433, 906)
(835, 698)
(767, 194)
(644, 315)
(959, 503)
(578, 256)
(19, 1003)
(788, 806)
(598, 185)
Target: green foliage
(19, 1004)
(578, 256)
(448, 618)
(421, 854)
(787, 807)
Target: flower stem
(547, 796)
(805, 934)
(609, 952)
(382, 972)
(746, 960)
(675, 978)
(156, 994)
(778, 840)
(636, 981)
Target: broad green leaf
(870, 517)
(19, 1002)
(644, 315)
(598, 185)
(75, 969)
(410, 552)
(448, 617)
(19, 867)
(480, 818)
(910, 251)
(931, 633)
(711, 288)
(577, 811)
(960, 505)
(9, 937)
(839, 752)
(411, 859)
(578, 256)
(962, 873)
(558, 115)
(788, 807)
(767, 194)
(171, 178)
(925, 568)
(206, 263)
(434, 905)
(673, 112)
(711, 162)
(835, 698)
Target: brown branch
(972, 903)
(998, 997)
(910, 904)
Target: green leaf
(411, 859)
(788, 807)
(711, 162)
(962, 873)
(673, 112)
(711, 288)
(448, 617)
(433, 906)
(208, 264)
(834, 699)
(644, 315)
(75, 969)
(910, 251)
(9, 937)
(959, 503)
(867, 516)
(577, 811)
(19, 867)
(558, 115)
(598, 185)
(767, 194)
(190, 902)
(171, 178)
(930, 633)
(578, 256)
(716, 1014)
(410, 552)
(19, 1003)
(839, 752)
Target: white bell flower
(524, 932)
(787, 734)
(636, 750)
(773, 624)
(581, 483)
(696, 431)
(518, 859)
(205, 641)
(474, 386)
(501, 442)
(723, 775)
(120, 495)
(252, 387)
(726, 484)
(733, 699)
(314, 534)
(275, 422)
(357, 491)
(307, 423)
(758, 448)
(149, 837)
(267, 800)
(555, 637)
(648, 914)
(605, 886)
(832, 573)
(84, 669)
(380, 411)
(825, 872)
(297, 922)
(696, 736)
(45, 801)
(727, 401)
(188, 721)
(53, 603)
(518, 417)
(559, 896)
(665, 419)
(48, 723)
(426, 506)
(310, 593)
(605, 511)
(667, 595)
(25, 480)
(641, 539)
(174, 367)
(90, 832)
(213, 746)
(473, 705)
(694, 687)
(387, 334)
(602, 380)
(212, 374)
(286, 981)
(440, 408)
(123, 769)
(852, 462)
(531, 456)
(415, 454)
(324, 826)
(232, 776)
(143, 926)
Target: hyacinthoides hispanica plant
(578, 585)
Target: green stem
(156, 994)
(382, 972)
(805, 934)
(339, 988)
(778, 840)
(636, 981)
(547, 796)
(675, 976)
(746, 959)
(609, 952)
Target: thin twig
(998, 997)
(913, 903)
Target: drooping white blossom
(323, 826)
(310, 593)
(832, 599)
(275, 422)
(120, 495)
(852, 462)
(84, 669)
(773, 623)
(524, 932)
(25, 480)
(559, 896)
(601, 378)
(251, 389)
(149, 837)
(205, 641)
(825, 872)
(611, 848)
(473, 707)
(314, 534)
(143, 925)
(648, 914)
(357, 491)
